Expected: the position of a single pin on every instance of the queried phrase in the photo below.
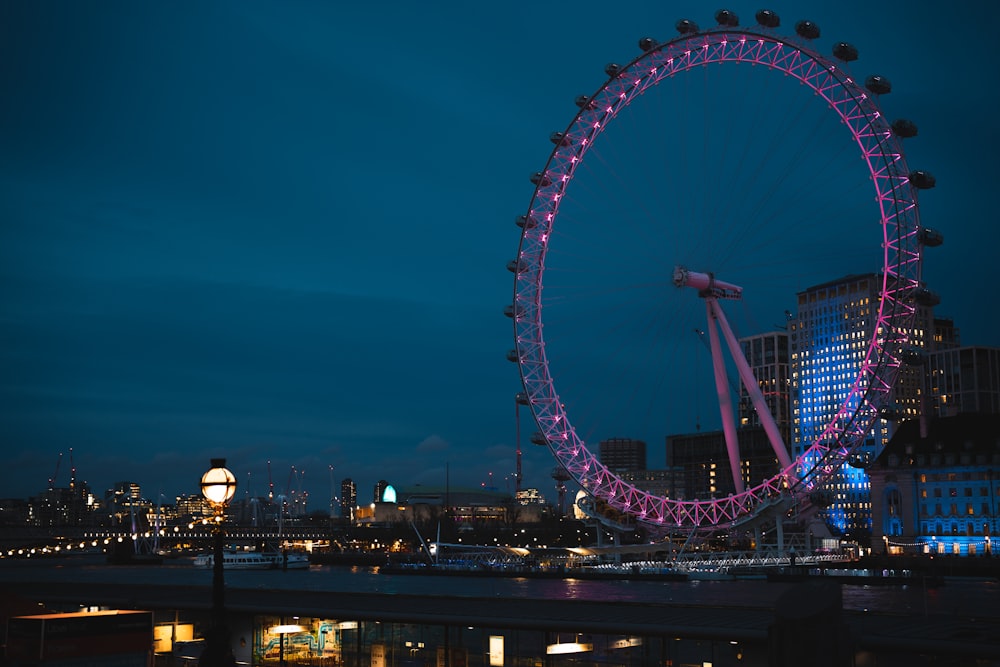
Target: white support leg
(750, 382)
(725, 400)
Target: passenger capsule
(648, 44)
(521, 398)
(525, 222)
(686, 27)
(926, 297)
(516, 266)
(539, 439)
(512, 356)
(585, 102)
(845, 52)
(904, 128)
(539, 178)
(612, 69)
(807, 30)
(508, 310)
(727, 18)
(878, 85)
(560, 139)
(922, 180)
(931, 238)
(767, 18)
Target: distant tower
(561, 477)
(348, 498)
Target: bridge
(26, 541)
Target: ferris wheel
(708, 179)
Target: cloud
(433, 443)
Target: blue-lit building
(935, 487)
(829, 338)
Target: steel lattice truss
(896, 197)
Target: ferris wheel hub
(706, 284)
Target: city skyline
(280, 234)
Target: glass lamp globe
(218, 485)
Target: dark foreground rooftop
(952, 635)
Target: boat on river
(256, 560)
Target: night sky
(278, 231)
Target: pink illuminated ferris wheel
(701, 188)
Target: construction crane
(270, 483)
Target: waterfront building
(935, 487)
(829, 336)
(621, 454)
(964, 379)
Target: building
(830, 336)
(660, 483)
(192, 505)
(62, 506)
(769, 358)
(466, 508)
(964, 379)
(935, 487)
(348, 498)
(946, 334)
(699, 462)
(529, 496)
(621, 454)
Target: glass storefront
(322, 642)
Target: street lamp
(218, 485)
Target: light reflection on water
(956, 596)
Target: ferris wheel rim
(900, 272)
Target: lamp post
(218, 485)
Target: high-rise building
(963, 380)
(830, 336)
(348, 498)
(769, 358)
(621, 454)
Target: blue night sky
(278, 231)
